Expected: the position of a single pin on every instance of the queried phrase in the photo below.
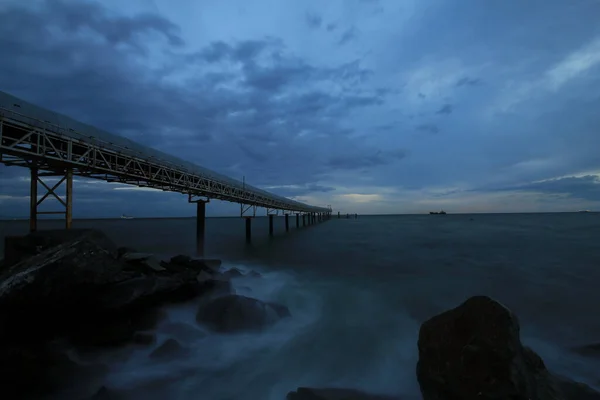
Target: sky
(370, 106)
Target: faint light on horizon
(361, 198)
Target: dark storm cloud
(446, 109)
(584, 187)
(428, 128)
(313, 20)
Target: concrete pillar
(347, 216)
(248, 230)
(338, 215)
(33, 200)
(69, 194)
(200, 227)
(355, 216)
(287, 222)
(270, 224)
(303, 219)
(297, 220)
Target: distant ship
(436, 212)
(584, 211)
(126, 217)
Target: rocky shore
(76, 289)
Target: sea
(358, 290)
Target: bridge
(50, 144)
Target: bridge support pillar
(248, 230)
(200, 227)
(287, 222)
(338, 215)
(270, 224)
(303, 219)
(200, 223)
(297, 220)
(33, 200)
(34, 203)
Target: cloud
(446, 109)
(581, 187)
(428, 128)
(466, 81)
(349, 35)
(314, 21)
(301, 97)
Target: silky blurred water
(358, 290)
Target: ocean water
(358, 290)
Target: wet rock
(143, 261)
(183, 262)
(590, 350)
(144, 338)
(234, 313)
(231, 274)
(203, 276)
(170, 349)
(474, 352)
(254, 274)
(121, 251)
(334, 394)
(183, 331)
(19, 248)
(105, 393)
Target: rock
(58, 286)
(234, 313)
(143, 261)
(182, 331)
(203, 276)
(254, 274)
(590, 350)
(144, 338)
(182, 263)
(231, 273)
(474, 351)
(170, 349)
(121, 251)
(18, 248)
(334, 394)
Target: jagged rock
(474, 351)
(168, 350)
(144, 338)
(18, 248)
(203, 276)
(143, 261)
(231, 273)
(121, 251)
(590, 350)
(182, 331)
(334, 394)
(234, 313)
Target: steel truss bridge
(51, 144)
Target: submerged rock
(235, 313)
(474, 351)
(334, 394)
(168, 350)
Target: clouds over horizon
(330, 105)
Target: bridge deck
(32, 136)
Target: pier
(53, 145)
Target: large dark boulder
(474, 351)
(335, 394)
(234, 313)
